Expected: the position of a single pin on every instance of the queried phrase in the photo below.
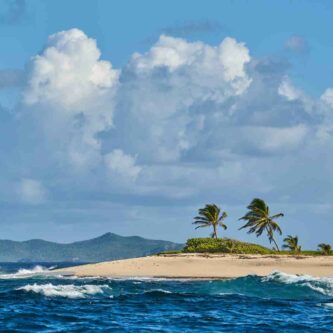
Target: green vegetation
(210, 216)
(259, 220)
(325, 249)
(223, 245)
(291, 243)
(227, 245)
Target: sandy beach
(207, 266)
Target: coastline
(205, 266)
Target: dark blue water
(31, 302)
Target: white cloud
(327, 97)
(31, 191)
(287, 90)
(272, 140)
(121, 164)
(168, 94)
(168, 52)
(224, 63)
(233, 57)
(181, 120)
(69, 72)
(72, 92)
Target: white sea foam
(323, 285)
(69, 291)
(24, 273)
(163, 291)
(36, 270)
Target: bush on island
(223, 245)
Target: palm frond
(258, 220)
(210, 215)
(202, 226)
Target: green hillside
(106, 247)
(223, 245)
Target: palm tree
(291, 243)
(259, 220)
(325, 249)
(210, 216)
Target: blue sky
(129, 116)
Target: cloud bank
(181, 121)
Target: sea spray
(323, 285)
(25, 273)
(69, 291)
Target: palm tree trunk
(277, 247)
(270, 235)
(215, 231)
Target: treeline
(258, 220)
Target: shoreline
(205, 266)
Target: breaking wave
(26, 273)
(322, 285)
(277, 285)
(69, 291)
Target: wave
(25, 273)
(68, 291)
(36, 270)
(323, 285)
(158, 291)
(277, 285)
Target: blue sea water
(31, 301)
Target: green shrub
(223, 245)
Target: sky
(129, 116)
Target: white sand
(207, 266)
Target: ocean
(31, 301)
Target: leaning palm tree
(291, 243)
(210, 216)
(259, 220)
(325, 249)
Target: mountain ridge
(108, 246)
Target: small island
(220, 258)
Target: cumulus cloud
(199, 61)
(197, 108)
(287, 90)
(120, 164)
(69, 72)
(169, 93)
(181, 121)
(327, 97)
(274, 139)
(70, 90)
(31, 191)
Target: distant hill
(106, 247)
